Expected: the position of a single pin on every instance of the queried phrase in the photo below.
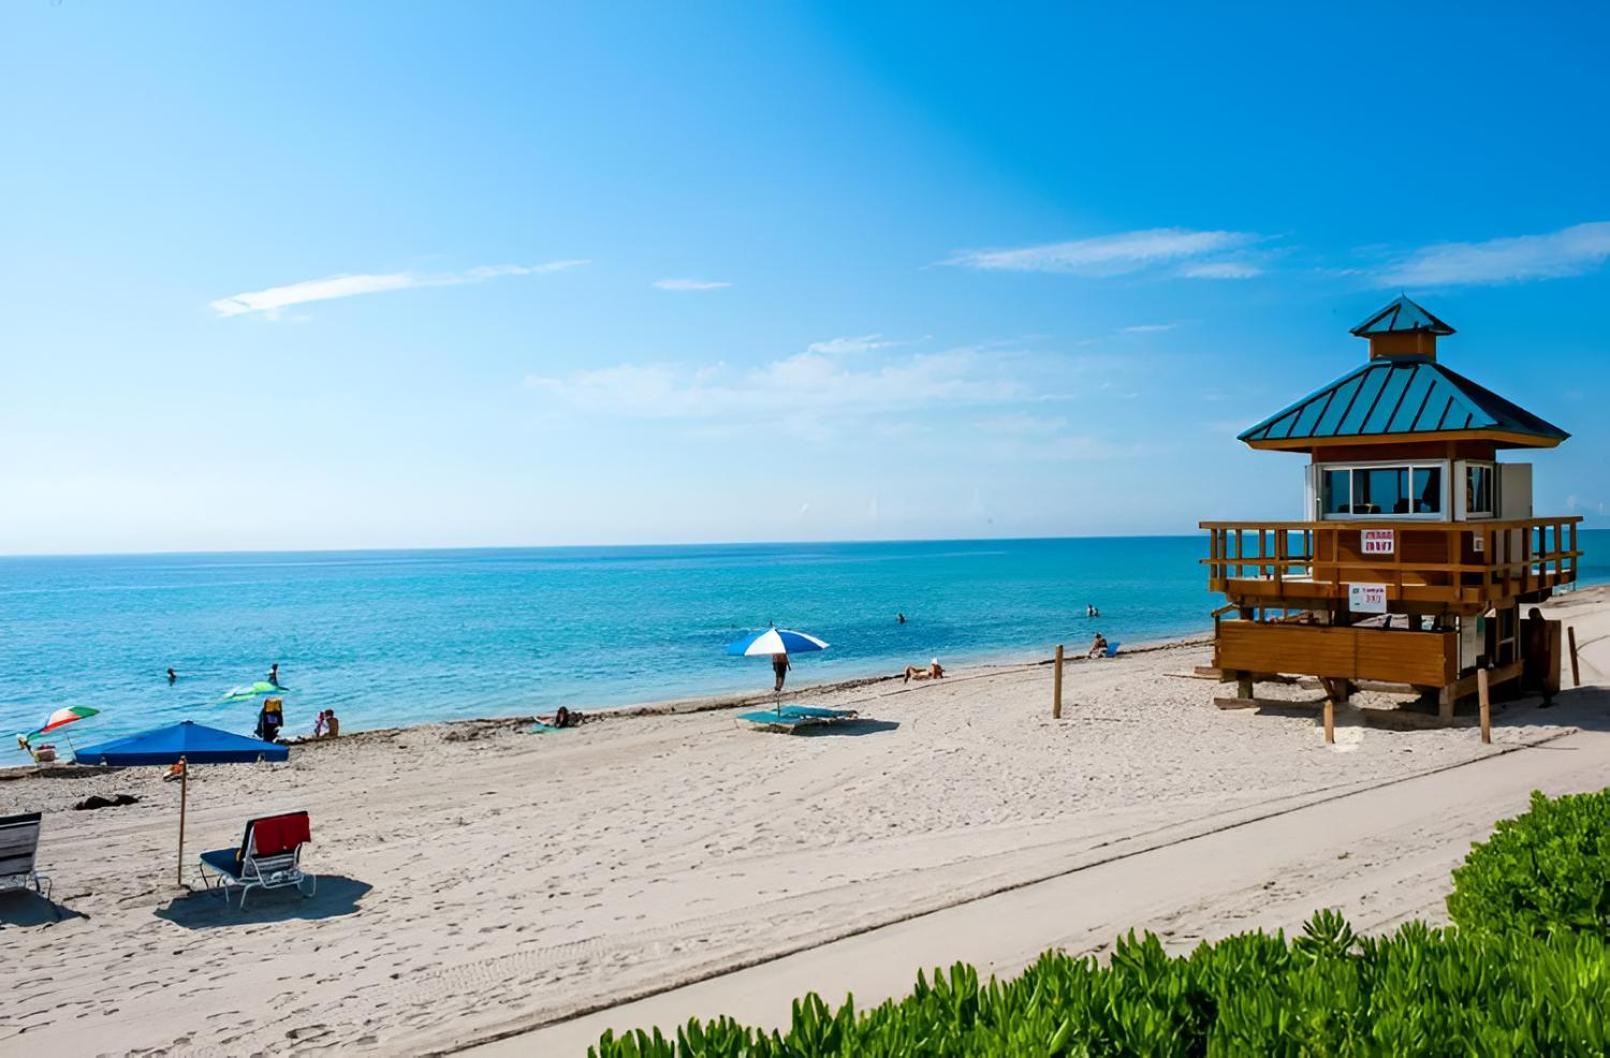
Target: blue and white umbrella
(774, 641)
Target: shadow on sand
(206, 908)
(24, 907)
(861, 726)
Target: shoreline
(637, 710)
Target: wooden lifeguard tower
(1417, 547)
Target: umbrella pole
(184, 795)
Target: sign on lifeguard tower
(1366, 598)
(1379, 541)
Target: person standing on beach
(779, 668)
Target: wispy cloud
(273, 299)
(1221, 270)
(1567, 252)
(1147, 328)
(865, 343)
(807, 386)
(691, 284)
(1111, 255)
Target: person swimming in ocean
(899, 618)
(173, 677)
(274, 674)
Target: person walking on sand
(779, 668)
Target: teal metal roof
(1401, 317)
(1400, 396)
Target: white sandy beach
(477, 880)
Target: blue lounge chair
(818, 713)
(269, 857)
(794, 717)
(19, 845)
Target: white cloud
(1147, 328)
(1220, 270)
(1567, 252)
(1108, 255)
(807, 386)
(690, 284)
(273, 299)
(865, 343)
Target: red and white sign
(1379, 541)
(1366, 598)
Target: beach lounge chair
(19, 846)
(269, 857)
(794, 717)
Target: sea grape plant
(1541, 873)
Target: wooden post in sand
(1486, 706)
(1576, 673)
(1329, 710)
(184, 795)
(1056, 687)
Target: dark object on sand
(97, 801)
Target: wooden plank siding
(1422, 659)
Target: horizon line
(571, 547)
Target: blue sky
(370, 275)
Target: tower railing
(1454, 563)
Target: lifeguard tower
(1418, 546)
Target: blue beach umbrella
(184, 743)
(774, 641)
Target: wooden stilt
(1485, 698)
(1445, 699)
(1330, 720)
(1243, 685)
(184, 796)
(1056, 687)
(1576, 672)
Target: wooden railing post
(1576, 673)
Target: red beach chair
(269, 857)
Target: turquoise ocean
(390, 638)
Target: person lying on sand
(563, 718)
(934, 671)
(1098, 647)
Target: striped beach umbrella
(64, 716)
(774, 641)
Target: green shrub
(1420, 991)
(1542, 873)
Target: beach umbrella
(184, 743)
(64, 716)
(774, 641)
(59, 719)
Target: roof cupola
(1403, 328)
